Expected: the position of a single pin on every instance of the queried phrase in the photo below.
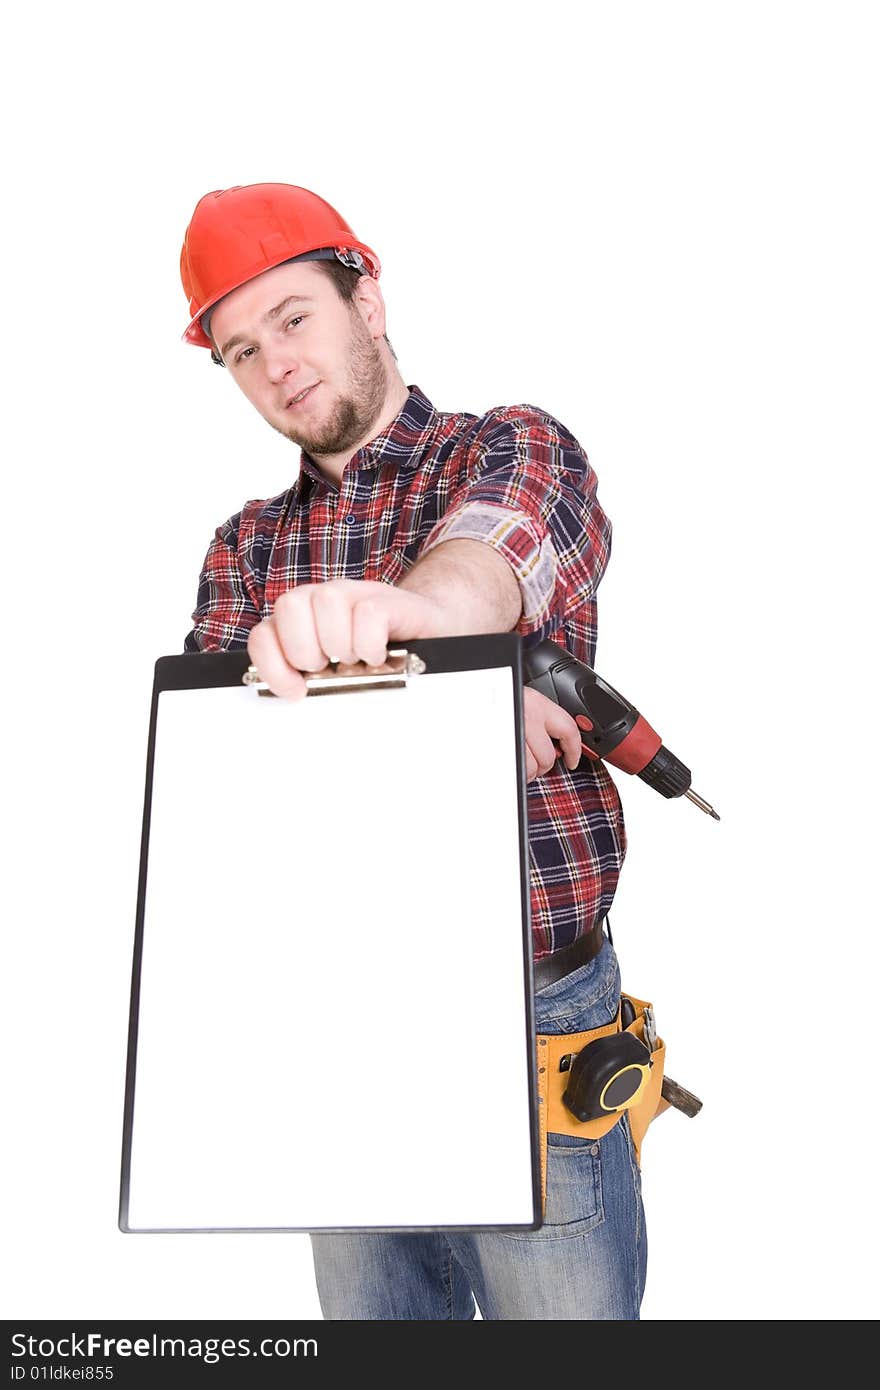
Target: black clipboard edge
(211, 670)
(134, 999)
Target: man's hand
(346, 620)
(545, 721)
(352, 620)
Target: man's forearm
(472, 584)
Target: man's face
(308, 361)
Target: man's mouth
(301, 396)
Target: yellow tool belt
(555, 1118)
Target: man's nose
(279, 363)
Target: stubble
(355, 412)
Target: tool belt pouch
(554, 1117)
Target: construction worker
(406, 521)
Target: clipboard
(331, 1019)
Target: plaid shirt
(514, 479)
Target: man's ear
(370, 305)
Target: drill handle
(602, 714)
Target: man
(405, 521)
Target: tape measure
(606, 1076)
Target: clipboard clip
(339, 677)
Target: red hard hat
(237, 233)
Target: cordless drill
(611, 728)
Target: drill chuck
(666, 774)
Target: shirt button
(350, 520)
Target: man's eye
(245, 354)
(298, 318)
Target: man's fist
(346, 620)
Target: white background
(657, 222)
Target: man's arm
(227, 605)
(471, 584)
(529, 493)
(461, 587)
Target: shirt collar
(394, 445)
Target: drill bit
(703, 805)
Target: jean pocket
(574, 1189)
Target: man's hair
(345, 279)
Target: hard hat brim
(196, 335)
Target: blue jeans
(587, 1261)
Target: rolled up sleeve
(529, 491)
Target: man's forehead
(257, 297)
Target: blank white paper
(332, 990)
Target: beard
(353, 414)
